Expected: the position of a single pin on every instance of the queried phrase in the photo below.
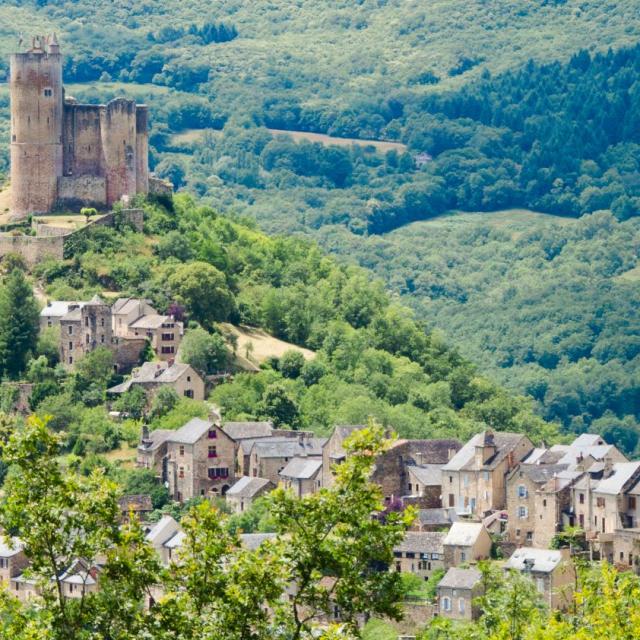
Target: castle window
(71, 346)
(102, 322)
(70, 359)
(48, 93)
(70, 329)
(102, 339)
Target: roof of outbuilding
(438, 516)
(457, 578)
(247, 487)
(157, 438)
(540, 560)
(191, 432)
(150, 321)
(58, 308)
(464, 534)
(158, 372)
(247, 430)
(421, 542)
(162, 531)
(302, 468)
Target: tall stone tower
(36, 127)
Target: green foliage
(19, 318)
(205, 352)
(133, 402)
(291, 363)
(165, 400)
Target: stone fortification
(65, 154)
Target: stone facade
(420, 554)
(69, 154)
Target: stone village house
(466, 542)
(420, 553)
(457, 592)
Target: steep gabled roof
(191, 432)
(247, 487)
(623, 472)
(288, 448)
(162, 531)
(503, 441)
(457, 578)
(429, 475)
(464, 534)
(421, 542)
(302, 468)
(246, 430)
(10, 547)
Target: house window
(188, 393)
(461, 605)
(181, 450)
(168, 337)
(167, 349)
(188, 378)
(71, 346)
(213, 433)
(102, 322)
(452, 500)
(600, 502)
(70, 359)
(582, 498)
(465, 479)
(544, 503)
(213, 452)
(70, 330)
(632, 502)
(86, 322)
(13, 137)
(523, 512)
(450, 479)
(463, 556)
(48, 93)
(220, 472)
(87, 339)
(181, 472)
(446, 604)
(410, 554)
(517, 533)
(529, 537)
(49, 323)
(581, 520)
(102, 339)
(485, 476)
(522, 491)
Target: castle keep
(66, 154)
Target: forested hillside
(520, 104)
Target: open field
(123, 455)
(256, 345)
(193, 136)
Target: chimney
(485, 449)
(608, 467)
(450, 453)
(145, 440)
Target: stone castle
(65, 154)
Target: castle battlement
(65, 154)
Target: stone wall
(33, 249)
(160, 187)
(81, 191)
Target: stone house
(626, 549)
(466, 542)
(182, 378)
(199, 461)
(13, 560)
(125, 311)
(303, 475)
(83, 328)
(457, 592)
(241, 495)
(80, 579)
(523, 484)
(139, 505)
(54, 311)
(420, 553)
(550, 569)
(270, 456)
(244, 434)
(164, 334)
(474, 480)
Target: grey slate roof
(588, 440)
(247, 487)
(154, 372)
(441, 516)
(622, 473)
(457, 578)
(191, 432)
(541, 473)
(302, 468)
(162, 531)
(421, 542)
(543, 560)
(429, 474)
(464, 534)
(150, 321)
(157, 437)
(288, 448)
(247, 445)
(504, 442)
(247, 430)
(424, 452)
(58, 308)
